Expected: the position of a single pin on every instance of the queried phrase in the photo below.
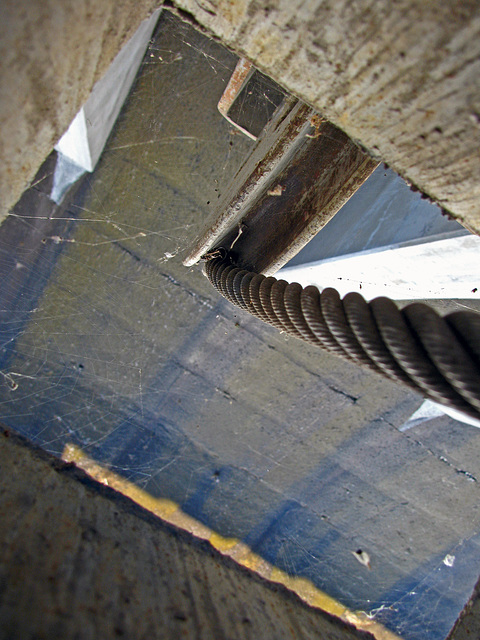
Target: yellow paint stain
(222, 544)
(255, 563)
(309, 592)
(242, 554)
(161, 507)
(170, 512)
(183, 521)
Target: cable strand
(440, 357)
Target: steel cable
(440, 357)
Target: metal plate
(300, 174)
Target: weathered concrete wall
(400, 77)
(81, 561)
(468, 623)
(52, 52)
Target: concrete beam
(80, 561)
(467, 626)
(444, 267)
(85, 139)
(52, 53)
(399, 77)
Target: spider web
(109, 343)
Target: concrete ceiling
(109, 343)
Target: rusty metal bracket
(243, 71)
(250, 99)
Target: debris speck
(362, 557)
(475, 118)
(449, 560)
(276, 191)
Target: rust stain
(239, 77)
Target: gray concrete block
(82, 561)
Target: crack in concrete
(469, 476)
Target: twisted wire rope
(438, 356)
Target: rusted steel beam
(250, 99)
(301, 172)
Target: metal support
(301, 172)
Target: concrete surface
(384, 212)
(442, 268)
(107, 342)
(86, 136)
(399, 77)
(468, 624)
(81, 561)
(52, 52)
